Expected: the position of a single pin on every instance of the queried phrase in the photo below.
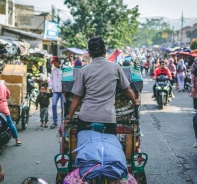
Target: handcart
(128, 133)
(21, 112)
(18, 102)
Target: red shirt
(164, 71)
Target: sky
(148, 8)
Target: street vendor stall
(76, 51)
(36, 65)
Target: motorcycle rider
(97, 83)
(162, 70)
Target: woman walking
(172, 69)
(181, 73)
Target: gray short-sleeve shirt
(97, 83)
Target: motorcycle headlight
(166, 87)
(158, 87)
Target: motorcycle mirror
(34, 180)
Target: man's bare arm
(129, 93)
(75, 103)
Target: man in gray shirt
(97, 83)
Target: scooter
(31, 89)
(5, 134)
(162, 90)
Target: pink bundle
(74, 178)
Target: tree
(158, 39)
(193, 44)
(110, 19)
(149, 33)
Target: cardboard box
(15, 93)
(16, 74)
(14, 116)
(14, 109)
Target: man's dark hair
(162, 61)
(42, 86)
(96, 46)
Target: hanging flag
(116, 56)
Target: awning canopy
(74, 50)
(29, 34)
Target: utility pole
(52, 13)
(182, 29)
(173, 37)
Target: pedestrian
(43, 101)
(1, 174)
(172, 69)
(151, 66)
(4, 95)
(78, 62)
(195, 129)
(55, 86)
(193, 93)
(156, 65)
(147, 67)
(194, 65)
(142, 65)
(176, 63)
(181, 73)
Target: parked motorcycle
(5, 134)
(187, 81)
(162, 90)
(31, 89)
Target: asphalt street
(168, 139)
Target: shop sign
(50, 31)
(31, 22)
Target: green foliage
(157, 38)
(110, 19)
(193, 44)
(150, 32)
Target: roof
(30, 34)
(75, 50)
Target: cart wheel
(25, 117)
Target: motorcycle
(5, 134)
(187, 82)
(162, 90)
(31, 89)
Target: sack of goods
(100, 155)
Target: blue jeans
(12, 127)
(56, 96)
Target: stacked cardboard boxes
(15, 80)
(15, 77)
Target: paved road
(168, 139)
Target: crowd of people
(177, 69)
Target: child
(43, 101)
(55, 85)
